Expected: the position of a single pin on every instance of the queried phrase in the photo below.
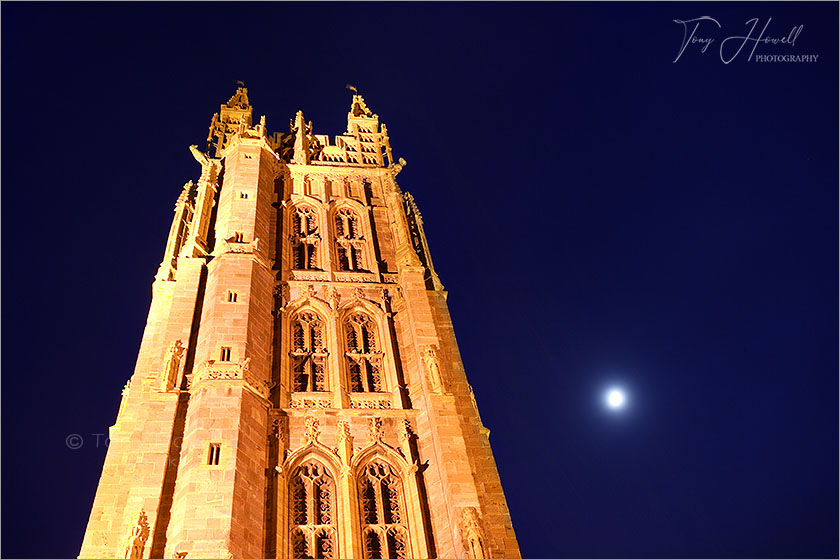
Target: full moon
(616, 398)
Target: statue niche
(430, 360)
(472, 534)
(171, 364)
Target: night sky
(599, 214)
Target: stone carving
(406, 432)
(354, 277)
(343, 432)
(278, 426)
(430, 360)
(397, 167)
(134, 542)
(375, 429)
(202, 159)
(366, 403)
(384, 299)
(222, 371)
(171, 363)
(281, 293)
(475, 404)
(313, 430)
(311, 291)
(311, 275)
(335, 298)
(310, 403)
(358, 293)
(472, 533)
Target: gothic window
(309, 353)
(305, 238)
(384, 529)
(312, 493)
(364, 359)
(349, 240)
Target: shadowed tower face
(299, 391)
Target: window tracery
(313, 531)
(309, 353)
(364, 359)
(349, 240)
(382, 511)
(305, 239)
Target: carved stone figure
(430, 360)
(375, 429)
(134, 542)
(472, 533)
(313, 429)
(335, 298)
(171, 363)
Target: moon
(616, 399)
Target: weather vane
(352, 88)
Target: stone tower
(299, 391)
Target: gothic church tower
(299, 391)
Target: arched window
(312, 515)
(309, 354)
(364, 359)
(305, 238)
(349, 240)
(384, 527)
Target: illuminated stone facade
(299, 391)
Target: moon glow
(616, 398)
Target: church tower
(298, 391)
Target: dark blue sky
(597, 212)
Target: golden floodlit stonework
(299, 391)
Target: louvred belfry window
(364, 359)
(384, 527)
(305, 239)
(349, 240)
(309, 353)
(312, 515)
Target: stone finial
(239, 99)
(359, 108)
(301, 150)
